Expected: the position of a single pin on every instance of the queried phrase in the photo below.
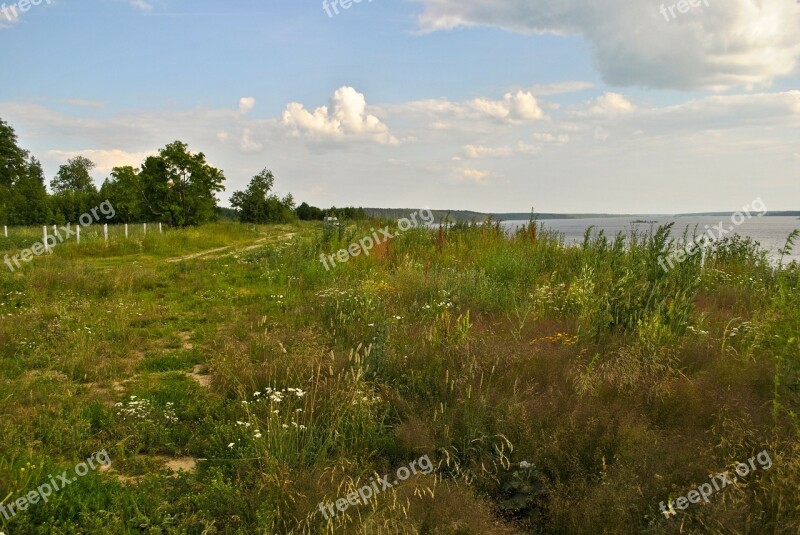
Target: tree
(179, 187)
(30, 203)
(257, 205)
(309, 213)
(124, 190)
(74, 192)
(23, 196)
(12, 167)
(75, 176)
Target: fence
(21, 235)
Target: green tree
(12, 158)
(74, 192)
(309, 213)
(75, 175)
(179, 187)
(124, 190)
(257, 205)
(12, 167)
(23, 196)
(30, 202)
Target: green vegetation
(258, 205)
(176, 187)
(236, 384)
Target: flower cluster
(275, 399)
(274, 395)
(143, 410)
(550, 298)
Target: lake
(770, 232)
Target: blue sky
(492, 105)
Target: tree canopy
(257, 205)
(179, 187)
(176, 186)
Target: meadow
(236, 384)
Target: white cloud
(515, 107)
(479, 151)
(470, 175)
(478, 114)
(725, 44)
(141, 4)
(475, 152)
(608, 105)
(346, 118)
(713, 146)
(247, 144)
(246, 105)
(716, 112)
(105, 160)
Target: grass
(556, 389)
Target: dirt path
(198, 255)
(207, 255)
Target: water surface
(770, 232)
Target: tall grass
(557, 389)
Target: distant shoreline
(467, 215)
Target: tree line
(175, 187)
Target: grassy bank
(236, 384)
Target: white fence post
(44, 239)
(78, 232)
(145, 229)
(126, 231)
(105, 231)
(159, 229)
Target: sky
(575, 106)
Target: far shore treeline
(175, 187)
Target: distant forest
(176, 187)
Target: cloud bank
(730, 43)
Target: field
(236, 384)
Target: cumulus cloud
(726, 44)
(246, 105)
(478, 114)
(723, 140)
(515, 107)
(345, 118)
